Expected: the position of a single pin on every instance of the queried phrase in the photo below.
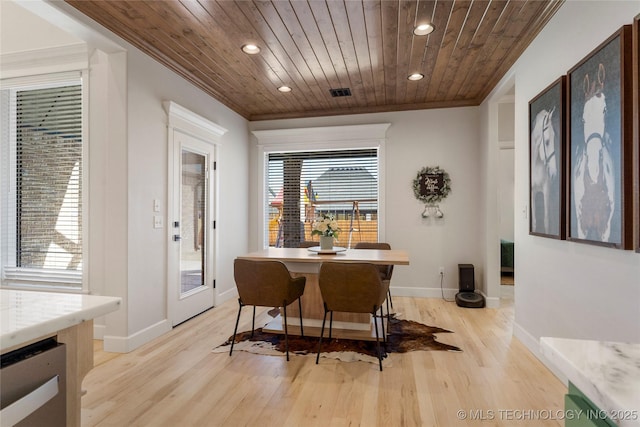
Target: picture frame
(636, 122)
(599, 145)
(547, 136)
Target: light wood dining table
(306, 262)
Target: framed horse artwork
(546, 154)
(600, 144)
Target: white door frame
(184, 125)
(185, 305)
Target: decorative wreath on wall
(432, 184)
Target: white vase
(326, 242)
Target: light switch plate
(157, 221)
(156, 205)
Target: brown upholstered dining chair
(266, 284)
(386, 271)
(352, 288)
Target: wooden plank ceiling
(313, 46)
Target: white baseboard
(227, 295)
(533, 345)
(98, 331)
(491, 302)
(527, 339)
(117, 344)
(449, 293)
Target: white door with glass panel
(191, 258)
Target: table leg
(345, 325)
(79, 343)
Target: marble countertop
(608, 373)
(28, 315)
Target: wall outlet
(441, 270)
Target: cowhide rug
(404, 336)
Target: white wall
(489, 176)
(108, 180)
(149, 84)
(506, 177)
(447, 138)
(567, 289)
(16, 20)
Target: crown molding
(186, 120)
(44, 61)
(328, 134)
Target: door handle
(28, 404)
(176, 238)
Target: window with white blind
(301, 186)
(42, 170)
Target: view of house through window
(42, 231)
(304, 185)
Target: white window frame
(318, 139)
(45, 279)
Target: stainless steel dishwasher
(33, 386)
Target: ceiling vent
(344, 91)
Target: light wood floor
(177, 381)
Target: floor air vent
(344, 91)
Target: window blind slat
(304, 185)
(48, 183)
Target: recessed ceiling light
(284, 89)
(251, 49)
(415, 76)
(423, 29)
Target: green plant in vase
(327, 228)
